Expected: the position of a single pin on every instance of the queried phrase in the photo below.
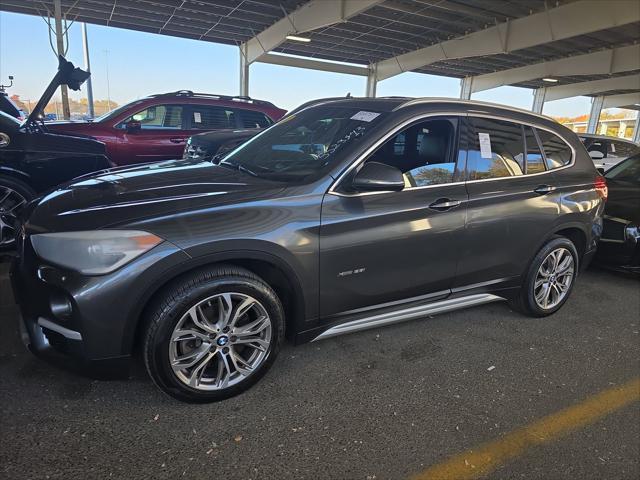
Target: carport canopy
(559, 48)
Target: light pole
(106, 56)
(87, 66)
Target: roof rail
(191, 94)
(417, 101)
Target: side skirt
(404, 314)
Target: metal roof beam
(594, 87)
(623, 100)
(566, 21)
(289, 61)
(310, 16)
(615, 60)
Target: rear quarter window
(557, 152)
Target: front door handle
(544, 189)
(176, 140)
(443, 204)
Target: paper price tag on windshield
(197, 117)
(365, 116)
(485, 145)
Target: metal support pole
(87, 67)
(372, 81)
(244, 71)
(594, 115)
(465, 88)
(538, 99)
(636, 130)
(66, 112)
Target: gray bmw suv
(346, 215)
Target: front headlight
(93, 252)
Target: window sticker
(197, 117)
(485, 145)
(613, 147)
(364, 116)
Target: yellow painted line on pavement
(486, 458)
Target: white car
(608, 151)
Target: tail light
(600, 185)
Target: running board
(402, 315)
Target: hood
(623, 200)
(119, 196)
(67, 75)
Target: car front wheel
(549, 280)
(213, 334)
(14, 194)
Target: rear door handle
(176, 140)
(544, 189)
(443, 204)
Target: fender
(305, 306)
(13, 172)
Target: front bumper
(86, 323)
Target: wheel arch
(272, 269)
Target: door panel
(162, 135)
(383, 247)
(506, 217)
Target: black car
(213, 145)
(7, 106)
(620, 242)
(350, 214)
(33, 161)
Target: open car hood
(68, 75)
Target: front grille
(612, 230)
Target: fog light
(61, 306)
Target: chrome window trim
(406, 123)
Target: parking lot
(385, 403)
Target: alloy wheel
(554, 278)
(10, 203)
(220, 341)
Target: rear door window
(254, 119)
(557, 153)
(495, 149)
(204, 117)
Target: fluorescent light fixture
(550, 80)
(296, 38)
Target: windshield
(116, 111)
(627, 171)
(304, 144)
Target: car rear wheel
(549, 280)
(213, 334)
(14, 194)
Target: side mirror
(378, 177)
(596, 155)
(133, 126)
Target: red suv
(157, 127)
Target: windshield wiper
(239, 167)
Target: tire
(187, 323)
(541, 283)
(14, 194)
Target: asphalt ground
(480, 385)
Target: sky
(140, 64)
